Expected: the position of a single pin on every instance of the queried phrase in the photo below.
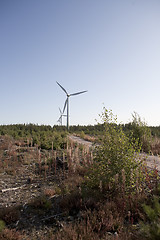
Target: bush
(141, 132)
(151, 229)
(115, 158)
(10, 214)
(2, 225)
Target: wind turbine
(67, 102)
(61, 115)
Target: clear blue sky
(109, 47)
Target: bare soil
(24, 202)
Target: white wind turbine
(61, 115)
(67, 102)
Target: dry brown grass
(104, 223)
(155, 146)
(11, 234)
(49, 192)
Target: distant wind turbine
(67, 102)
(61, 115)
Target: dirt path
(80, 140)
(152, 161)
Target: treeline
(92, 130)
(29, 130)
(155, 131)
(96, 130)
(43, 136)
(48, 137)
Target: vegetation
(115, 158)
(137, 130)
(151, 228)
(44, 137)
(105, 192)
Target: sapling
(114, 155)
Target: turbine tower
(67, 102)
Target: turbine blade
(73, 94)
(59, 119)
(60, 111)
(62, 88)
(65, 105)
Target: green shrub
(82, 134)
(151, 229)
(2, 225)
(140, 132)
(115, 158)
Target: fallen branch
(11, 189)
(53, 216)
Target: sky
(109, 47)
